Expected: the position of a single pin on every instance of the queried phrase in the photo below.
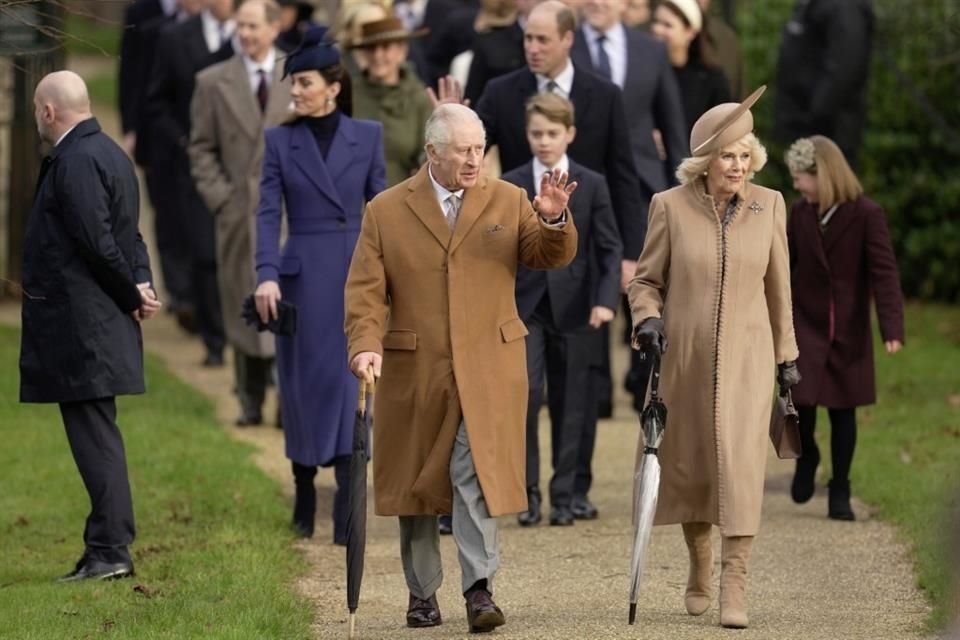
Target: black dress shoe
(423, 613)
(88, 569)
(561, 517)
(583, 509)
(803, 486)
(483, 614)
(249, 419)
(838, 503)
(213, 360)
(445, 525)
(531, 516)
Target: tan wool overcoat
(226, 151)
(724, 296)
(441, 309)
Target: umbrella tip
(633, 613)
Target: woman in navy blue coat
(321, 168)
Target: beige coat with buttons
(441, 309)
(226, 151)
(724, 297)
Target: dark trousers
(206, 301)
(843, 437)
(97, 448)
(562, 361)
(172, 246)
(252, 376)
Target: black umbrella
(646, 479)
(357, 511)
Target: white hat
(690, 10)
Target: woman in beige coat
(714, 280)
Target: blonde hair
(694, 167)
(820, 156)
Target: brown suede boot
(697, 597)
(734, 555)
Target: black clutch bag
(785, 427)
(285, 324)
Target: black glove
(285, 324)
(649, 335)
(787, 376)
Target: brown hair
(552, 107)
(702, 48)
(566, 21)
(836, 181)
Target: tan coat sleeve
(365, 295)
(776, 284)
(647, 289)
(204, 149)
(543, 246)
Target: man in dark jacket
(822, 73)
(87, 286)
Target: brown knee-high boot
(697, 597)
(734, 556)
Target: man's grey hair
(443, 121)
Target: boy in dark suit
(564, 308)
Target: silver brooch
(756, 207)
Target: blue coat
(324, 202)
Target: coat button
(342, 221)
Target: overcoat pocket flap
(513, 330)
(401, 340)
(289, 265)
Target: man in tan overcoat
(431, 311)
(233, 103)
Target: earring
(329, 101)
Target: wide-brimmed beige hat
(723, 124)
(691, 12)
(389, 29)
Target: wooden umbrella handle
(362, 391)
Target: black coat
(495, 53)
(602, 143)
(822, 73)
(593, 278)
(701, 87)
(82, 260)
(134, 69)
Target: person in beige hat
(714, 280)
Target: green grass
(213, 554)
(907, 462)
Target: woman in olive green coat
(390, 92)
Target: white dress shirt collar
(169, 7)
(564, 81)
(212, 30)
(539, 169)
(442, 192)
(616, 48)
(253, 68)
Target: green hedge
(908, 163)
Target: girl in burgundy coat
(840, 257)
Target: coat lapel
(423, 202)
(580, 96)
(342, 149)
(306, 155)
(838, 225)
(278, 105)
(474, 202)
(235, 86)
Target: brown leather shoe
(483, 614)
(423, 613)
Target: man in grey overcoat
(233, 103)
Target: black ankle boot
(804, 476)
(531, 516)
(839, 501)
(305, 500)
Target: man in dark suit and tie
(638, 64)
(87, 286)
(143, 22)
(183, 49)
(603, 143)
(564, 308)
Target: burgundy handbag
(785, 427)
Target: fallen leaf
(22, 521)
(954, 400)
(144, 590)
(905, 457)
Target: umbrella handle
(362, 391)
(655, 374)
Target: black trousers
(97, 448)
(172, 246)
(252, 376)
(562, 361)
